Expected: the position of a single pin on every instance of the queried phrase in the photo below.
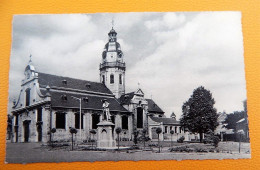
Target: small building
(167, 125)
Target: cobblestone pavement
(32, 152)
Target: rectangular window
(39, 114)
(180, 129)
(16, 120)
(95, 121)
(125, 122)
(77, 119)
(111, 79)
(120, 79)
(27, 97)
(139, 117)
(170, 127)
(103, 79)
(60, 120)
(176, 129)
(165, 129)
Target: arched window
(95, 121)
(139, 117)
(120, 78)
(111, 78)
(60, 120)
(39, 114)
(165, 129)
(27, 97)
(103, 79)
(125, 122)
(77, 120)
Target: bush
(181, 149)
(153, 145)
(181, 139)
(201, 150)
(211, 150)
(136, 132)
(124, 139)
(215, 141)
(211, 138)
(134, 147)
(141, 138)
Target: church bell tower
(112, 67)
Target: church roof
(112, 31)
(94, 102)
(71, 83)
(165, 121)
(63, 88)
(153, 107)
(126, 98)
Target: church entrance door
(26, 125)
(39, 133)
(26, 132)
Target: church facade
(50, 103)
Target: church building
(48, 103)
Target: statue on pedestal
(105, 137)
(106, 113)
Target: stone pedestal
(105, 137)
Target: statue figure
(106, 110)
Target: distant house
(168, 124)
(242, 126)
(221, 130)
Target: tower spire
(112, 68)
(112, 22)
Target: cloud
(167, 21)
(169, 54)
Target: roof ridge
(69, 77)
(128, 93)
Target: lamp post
(80, 99)
(240, 132)
(171, 132)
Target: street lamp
(240, 132)
(80, 99)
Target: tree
(237, 121)
(231, 120)
(158, 131)
(136, 132)
(72, 131)
(118, 131)
(199, 114)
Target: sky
(168, 54)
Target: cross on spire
(112, 22)
(30, 58)
(138, 85)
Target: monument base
(105, 137)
